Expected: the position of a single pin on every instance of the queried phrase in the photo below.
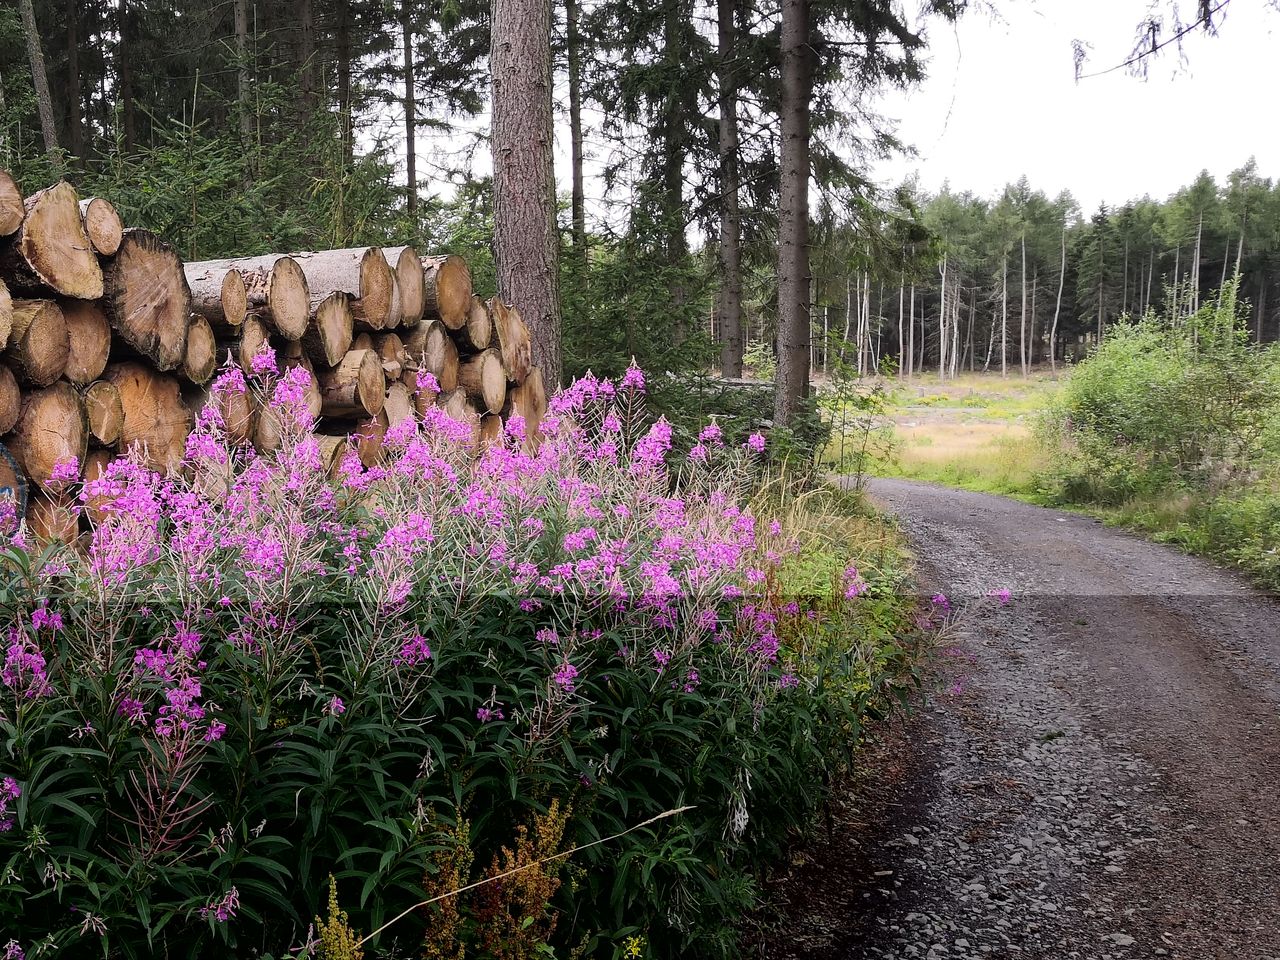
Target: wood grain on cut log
(101, 225)
(268, 432)
(410, 281)
(293, 355)
(6, 314)
(104, 414)
(392, 353)
(330, 331)
(147, 298)
(51, 519)
(362, 341)
(38, 346)
(50, 431)
(529, 400)
(201, 360)
(490, 430)
(219, 295)
(235, 409)
(11, 208)
(477, 333)
(368, 436)
(447, 290)
(362, 273)
(484, 381)
(255, 337)
(439, 356)
(398, 405)
(355, 387)
(513, 339)
(49, 251)
(156, 421)
(333, 450)
(276, 291)
(10, 399)
(95, 465)
(88, 340)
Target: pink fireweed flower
(854, 585)
(548, 636)
(335, 707)
(755, 443)
(42, 618)
(516, 428)
(788, 680)
(132, 710)
(413, 652)
(65, 471)
(578, 539)
(216, 729)
(13, 951)
(264, 362)
(223, 909)
(24, 670)
(633, 379)
(1004, 595)
(565, 676)
(712, 435)
(651, 450)
(9, 792)
(485, 714)
(698, 453)
(426, 381)
(940, 601)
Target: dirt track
(1096, 776)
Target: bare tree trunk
(39, 79)
(573, 42)
(342, 41)
(1057, 309)
(901, 354)
(973, 319)
(1195, 268)
(911, 334)
(241, 18)
(672, 135)
(793, 214)
(1124, 292)
(730, 216)
(124, 70)
(410, 110)
(942, 323)
(1151, 271)
(525, 241)
(1022, 336)
(1004, 316)
(1031, 352)
(306, 26)
(75, 125)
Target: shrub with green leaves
(251, 677)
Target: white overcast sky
(1001, 101)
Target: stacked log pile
(110, 342)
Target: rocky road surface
(1096, 775)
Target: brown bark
(360, 272)
(447, 290)
(329, 334)
(490, 430)
(477, 333)
(276, 290)
(11, 207)
(147, 298)
(39, 78)
(88, 340)
(10, 399)
(525, 240)
(513, 339)
(368, 435)
(95, 465)
(50, 250)
(38, 345)
(201, 359)
(75, 125)
(220, 296)
(730, 298)
(792, 382)
(240, 16)
(104, 413)
(342, 41)
(308, 68)
(573, 43)
(410, 281)
(101, 225)
(410, 110)
(156, 421)
(484, 381)
(355, 387)
(124, 71)
(50, 431)
(529, 400)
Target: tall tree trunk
(309, 86)
(1057, 308)
(241, 21)
(901, 355)
(911, 334)
(1022, 335)
(1124, 293)
(1151, 272)
(730, 216)
(573, 40)
(124, 73)
(1031, 351)
(673, 140)
(793, 214)
(1101, 286)
(75, 124)
(410, 110)
(524, 234)
(942, 323)
(973, 319)
(1004, 316)
(1195, 267)
(342, 43)
(39, 79)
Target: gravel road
(1096, 776)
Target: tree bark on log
(355, 387)
(277, 291)
(38, 345)
(155, 419)
(10, 399)
(147, 298)
(104, 413)
(50, 250)
(101, 225)
(484, 381)
(50, 431)
(368, 435)
(88, 340)
(410, 281)
(477, 333)
(360, 272)
(50, 520)
(447, 290)
(220, 296)
(329, 334)
(201, 359)
(12, 209)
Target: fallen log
(101, 225)
(329, 334)
(201, 359)
(363, 274)
(490, 430)
(529, 400)
(95, 465)
(50, 431)
(38, 345)
(368, 436)
(410, 282)
(147, 299)
(11, 208)
(235, 410)
(104, 414)
(276, 291)
(156, 421)
(88, 340)
(254, 339)
(51, 520)
(435, 353)
(484, 381)
(49, 251)
(293, 356)
(355, 387)
(447, 290)
(392, 354)
(220, 296)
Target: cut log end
(355, 387)
(201, 360)
(148, 300)
(50, 432)
(11, 208)
(88, 340)
(103, 412)
(447, 290)
(52, 249)
(328, 336)
(101, 225)
(38, 344)
(484, 381)
(411, 283)
(288, 299)
(10, 399)
(440, 357)
(156, 421)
